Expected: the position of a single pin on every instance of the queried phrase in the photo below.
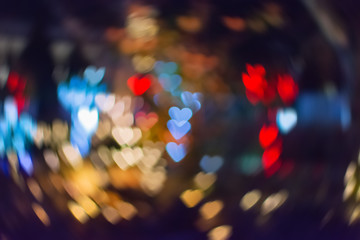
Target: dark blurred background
(322, 55)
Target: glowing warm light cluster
(250, 199)
(351, 193)
(132, 162)
(268, 205)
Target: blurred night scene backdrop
(162, 119)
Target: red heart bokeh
(20, 102)
(272, 169)
(268, 135)
(13, 81)
(271, 155)
(255, 79)
(287, 89)
(257, 87)
(138, 84)
(257, 69)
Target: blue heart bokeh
(191, 100)
(176, 130)
(78, 97)
(211, 164)
(175, 151)
(93, 75)
(16, 134)
(181, 116)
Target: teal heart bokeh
(169, 82)
(93, 75)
